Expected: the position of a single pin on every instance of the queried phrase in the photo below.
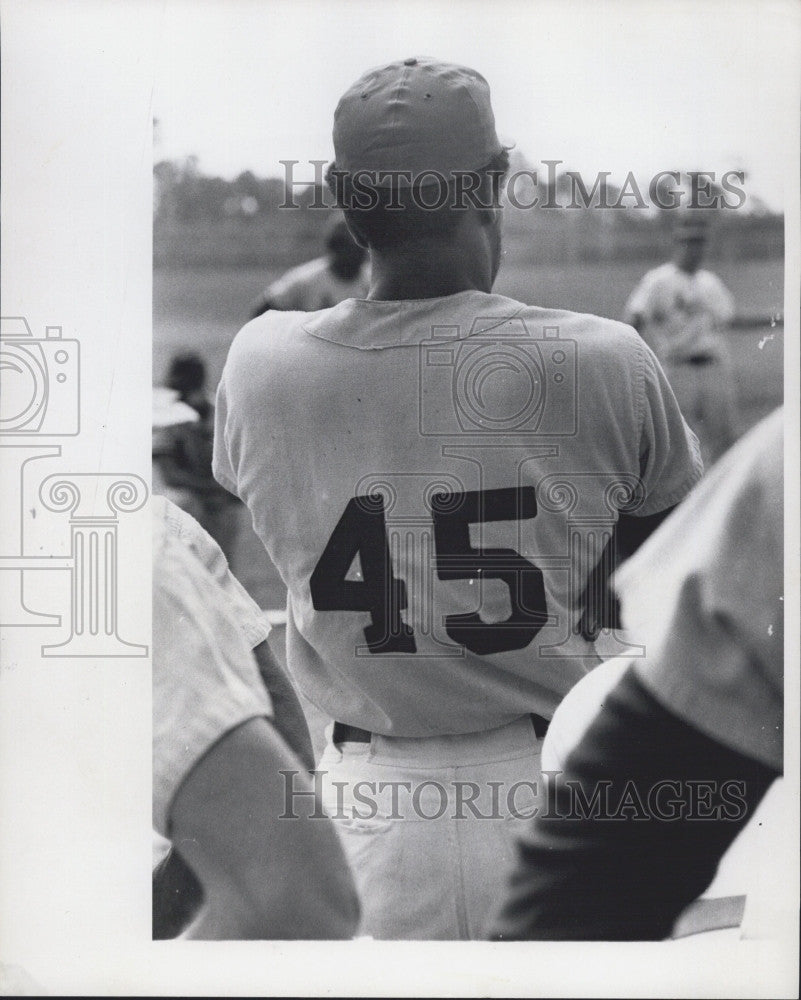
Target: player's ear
(335, 179)
(488, 206)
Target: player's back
(434, 480)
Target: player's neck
(425, 273)
(687, 267)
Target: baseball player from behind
(438, 472)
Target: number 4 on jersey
(362, 529)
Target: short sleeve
(221, 467)
(705, 596)
(719, 300)
(205, 679)
(670, 456)
(639, 302)
(186, 529)
(283, 294)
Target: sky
(622, 85)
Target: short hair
(397, 216)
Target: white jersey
(435, 480)
(171, 525)
(314, 286)
(205, 678)
(682, 313)
(175, 521)
(706, 593)
(713, 614)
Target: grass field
(203, 309)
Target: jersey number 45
(362, 529)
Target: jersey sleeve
(719, 300)
(639, 302)
(670, 456)
(705, 594)
(187, 530)
(221, 466)
(205, 678)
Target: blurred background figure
(183, 436)
(321, 283)
(681, 311)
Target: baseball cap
(417, 116)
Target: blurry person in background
(341, 274)
(218, 755)
(681, 311)
(183, 437)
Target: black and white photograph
(399, 442)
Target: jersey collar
(369, 324)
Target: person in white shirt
(681, 311)
(323, 282)
(218, 758)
